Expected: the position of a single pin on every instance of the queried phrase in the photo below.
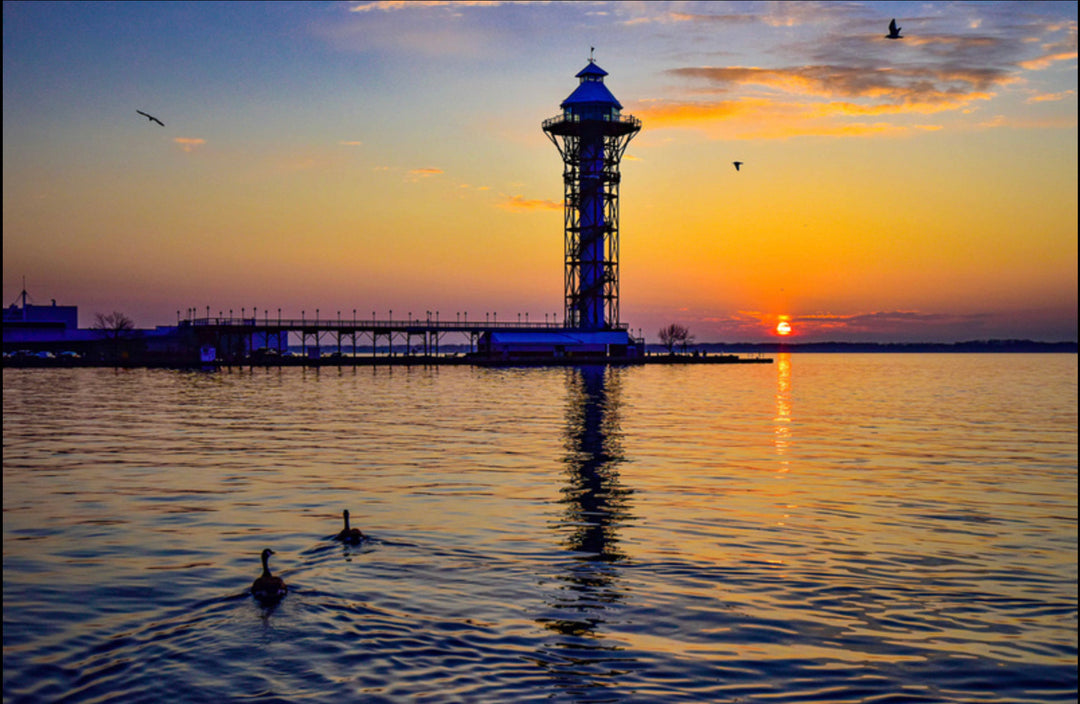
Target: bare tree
(113, 326)
(675, 334)
(686, 339)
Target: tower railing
(625, 119)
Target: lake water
(827, 528)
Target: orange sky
(371, 156)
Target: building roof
(605, 337)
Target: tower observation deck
(591, 135)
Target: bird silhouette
(150, 117)
(737, 164)
(347, 534)
(894, 31)
(268, 589)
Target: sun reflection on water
(782, 420)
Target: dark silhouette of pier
(243, 338)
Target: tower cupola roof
(591, 69)
(591, 91)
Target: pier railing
(421, 324)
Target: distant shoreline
(971, 346)
(704, 353)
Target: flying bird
(894, 31)
(150, 117)
(737, 164)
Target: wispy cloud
(1062, 49)
(775, 14)
(1058, 122)
(189, 143)
(1047, 60)
(522, 204)
(759, 118)
(434, 28)
(422, 173)
(914, 89)
(353, 143)
(882, 326)
(674, 16)
(1051, 97)
(826, 100)
(394, 5)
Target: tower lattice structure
(591, 135)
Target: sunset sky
(386, 156)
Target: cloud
(394, 5)
(1062, 49)
(1059, 122)
(952, 44)
(820, 99)
(883, 326)
(1051, 97)
(1047, 60)
(354, 143)
(675, 16)
(840, 80)
(417, 174)
(433, 29)
(521, 204)
(189, 143)
(759, 118)
(917, 89)
(774, 14)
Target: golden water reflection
(782, 419)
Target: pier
(243, 339)
(229, 340)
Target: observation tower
(591, 135)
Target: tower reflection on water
(594, 505)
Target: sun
(783, 328)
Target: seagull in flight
(737, 164)
(150, 117)
(894, 31)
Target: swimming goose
(268, 588)
(347, 534)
